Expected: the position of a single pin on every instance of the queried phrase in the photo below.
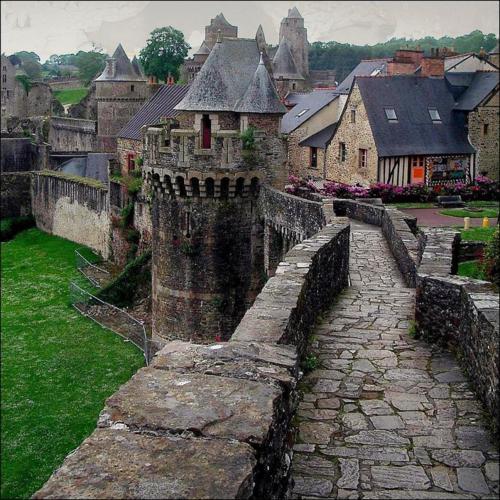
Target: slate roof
(224, 78)
(159, 106)
(414, 133)
(293, 13)
(364, 68)
(203, 50)
(94, 166)
(137, 67)
(293, 98)
(312, 102)
(320, 139)
(260, 96)
(483, 83)
(283, 63)
(124, 71)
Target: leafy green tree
(30, 63)
(165, 51)
(90, 64)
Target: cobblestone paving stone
(386, 415)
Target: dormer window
(303, 112)
(390, 114)
(434, 114)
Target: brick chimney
(432, 65)
(169, 80)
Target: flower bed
(482, 188)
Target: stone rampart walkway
(386, 415)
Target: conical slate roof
(119, 68)
(203, 50)
(137, 67)
(260, 96)
(293, 13)
(283, 63)
(224, 78)
(259, 36)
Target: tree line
(343, 57)
(166, 50)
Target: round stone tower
(208, 261)
(292, 29)
(121, 90)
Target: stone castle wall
(73, 209)
(18, 154)
(15, 194)
(123, 148)
(72, 134)
(226, 432)
(487, 145)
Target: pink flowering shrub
(482, 188)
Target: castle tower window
(210, 187)
(224, 187)
(353, 116)
(180, 186)
(254, 186)
(132, 88)
(240, 185)
(485, 129)
(342, 151)
(314, 158)
(206, 132)
(195, 186)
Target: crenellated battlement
(191, 184)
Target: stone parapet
(213, 421)
(463, 312)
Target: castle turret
(207, 235)
(285, 72)
(292, 29)
(120, 92)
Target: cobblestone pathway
(385, 415)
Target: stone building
(285, 72)
(120, 92)
(292, 29)
(310, 121)
(400, 130)
(477, 98)
(204, 179)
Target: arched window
(254, 186)
(210, 187)
(169, 186)
(240, 186)
(195, 186)
(224, 187)
(180, 185)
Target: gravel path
(386, 415)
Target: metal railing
(95, 274)
(111, 317)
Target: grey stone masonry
(385, 415)
(214, 421)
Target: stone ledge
(114, 463)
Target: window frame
(362, 158)
(342, 152)
(313, 154)
(434, 120)
(391, 119)
(353, 115)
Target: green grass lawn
(460, 212)
(70, 96)
(476, 233)
(471, 269)
(58, 367)
(473, 204)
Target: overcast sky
(68, 26)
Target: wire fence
(113, 318)
(95, 274)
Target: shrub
(11, 226)
(127, 215)
(248, 138)
(491, 260)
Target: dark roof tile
(414, 133)
(159, 106)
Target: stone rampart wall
(72, 208)
(463, 313)
(18, 154)
(213, 421)
(72, 134)
(15, 194)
